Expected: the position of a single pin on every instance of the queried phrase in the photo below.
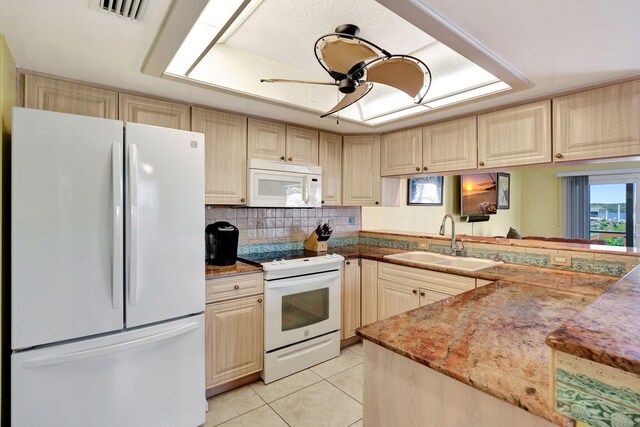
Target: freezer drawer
(153, 376)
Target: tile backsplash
(272, 225)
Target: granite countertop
(616, 315)
(240, 267)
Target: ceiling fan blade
(400, 73)
(297, 81)
(342, 54)
(350, 98)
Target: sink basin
(426, 258)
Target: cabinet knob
(259, 300)
(322, 202)
(242, 200)
(425, 168)
(417, 169)
(236, 287)
(348, 262)
(377, 202)
(422, 294)
(558, 155)
(481, 163)
(291, 159)
(414, 291)
(282, 157)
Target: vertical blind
(576, 207)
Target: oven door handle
(315, 279)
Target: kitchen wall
(427, 219)
(542, 202)
(267, 225)
(7, 102)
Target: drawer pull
(236, 287)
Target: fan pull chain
(338, 100)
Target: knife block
(311, 243)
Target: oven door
(300, 308)
(284, 189)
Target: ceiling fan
(355, 64)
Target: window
(613, 208)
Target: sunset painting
(479, 194)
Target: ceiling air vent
(132, 9)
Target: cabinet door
(266, 140)
(429, 297)
(302, 146)
(233, 339)
(597, 124)
(361, 171)
(515, 136)
(369, 290)
(225, 155)
(401, 152)
(41, 93)
(350, 299)
(330, 160)
(148, 111)
(450, 146)
(395, 298)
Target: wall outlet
(561, 259)
(352, 220)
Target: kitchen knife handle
(116, 266)
(133, 228)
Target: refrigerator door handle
(116, 273)
(133, 228)
(109, 349)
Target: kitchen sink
(426, 258)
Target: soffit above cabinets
(558, 46)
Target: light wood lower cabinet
(401, 152)
(350, 298)
(43, 93)
(361, 182)
(515, 136)
(225, 155)
(233, 339)
(395, 298)
(330, 160)
(597, 124)
(149, 111)
(369, 290)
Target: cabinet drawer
(230, 287)
(431, 280)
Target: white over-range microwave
(281, 185)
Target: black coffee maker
(221, 239)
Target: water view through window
(612, 214)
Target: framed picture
(504, 190)
(425, 191)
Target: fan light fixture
(355, 64)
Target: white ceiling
(557, 45)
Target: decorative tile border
(594, 402)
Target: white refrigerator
(107, 273)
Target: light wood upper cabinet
(450, 146)
(302, 146)
(266, 140)
(225, 155)
(350, 298)
(395, 298)
(369, 290)
(42, 93)
(361, 171)
(598, 123)
(401, 152)
(515, 136)
(330, 160)
(233, 339)
(149, 111)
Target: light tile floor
(328, 394)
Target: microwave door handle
(305, 190)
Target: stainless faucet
(454, 249)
